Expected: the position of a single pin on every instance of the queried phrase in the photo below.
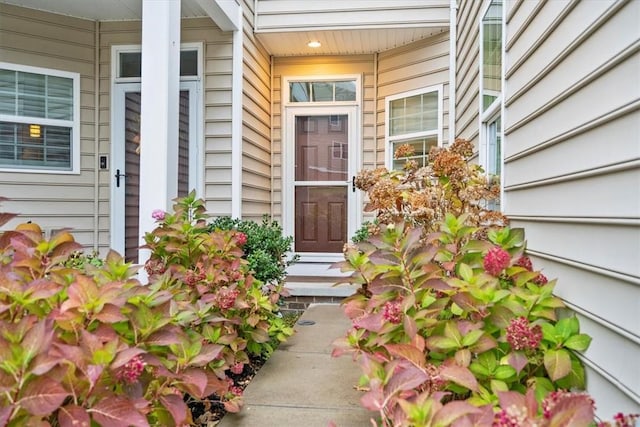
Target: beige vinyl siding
(256, 123)
(54, 201)
(415, 66)
(319, 66)
(216, 98)
(468, 70)
(292, 15)
(572, 172)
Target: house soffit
(106, 10)
(344, 42)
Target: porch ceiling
(103, 10)
(343, 42)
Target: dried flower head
(226, 298)
(404, 150)
(462, 147)
(367, 178)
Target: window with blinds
(37, 118)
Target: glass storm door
(323, 198)
(126, 163)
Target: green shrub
(266, 248)
(85, 344)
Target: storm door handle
(118, 176)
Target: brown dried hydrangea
(404, 150)
(422, 196)
(365, 179)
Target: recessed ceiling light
(314, 43)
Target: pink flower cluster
(241, 238)
(525, 262)
(392, 311)
(513, 416)
(226, 298)
(520, 336)
(496, 260)
(192, 277)
(132, 370)
(158, 214)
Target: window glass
(189, 63)
(25, 145)
(41, 137)
(130, 64)
(322, 91)
(491, 53)
(346, 91)
(299, 92)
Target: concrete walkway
(301, 385)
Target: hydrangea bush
(451, 323)
(84, 343)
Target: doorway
(320, 199)
(125, 165)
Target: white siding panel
(572, 110)
(290, 15)
(572, 172)
(620, 363)
(256, 121)
(615, 195)
(590, 244)
(467, 69)
(586, 149)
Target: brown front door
(321, 182)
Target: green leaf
(427, 300)
(575, 379)
(578, 342)
(465, 272)
(567, 327)
(472, 337)
(503, 372)
(557, 363)
(439, 343)
(497, 385)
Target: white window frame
(496, 109)
(74, 124)
(389, 140)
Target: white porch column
(159, 116)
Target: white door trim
(354, 198)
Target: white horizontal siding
(572, 172)
(55, 201)
(416, 66)
(292, 15)
(468, 69)
(256, 123)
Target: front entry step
(318, 286)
